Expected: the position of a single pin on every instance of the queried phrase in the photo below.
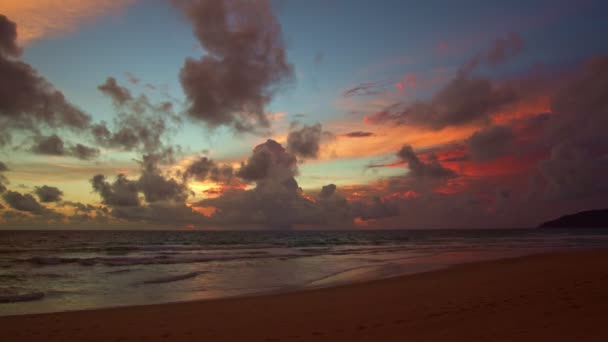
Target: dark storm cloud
(358, 134)
(25, 203)
(420, 169)
(48, 194)
(490, 143)
(244, 66)
(120, 95)
(27, 100)
(306, 141)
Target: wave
(171, 279)
(186, 258)
(22, 297)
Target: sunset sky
(285, 114)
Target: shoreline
(560, 295)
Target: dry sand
(554, 297)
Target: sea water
(49, 271)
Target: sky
(253, 114)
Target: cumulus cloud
(276, 201)
(269, 161)
(140, 125)
(26, 203)
(27, 100)
(48, 194)
(244, 66)
(327, 191)
(162, 200)
(83, 152)
(8, 38)
(305, 142)
(205, 168)
(120, 95)
(53, 145)
(122, 192)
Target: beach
(557, 296)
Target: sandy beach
(556, 297)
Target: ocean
(49, 271)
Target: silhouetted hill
(584, 219)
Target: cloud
(27, 100)
(48, 194)
(39, 19)
(490, 143)
(276, 201)
(140, 125)
(205, 168)
(155, 186)
(53, 145)
(3, 179)
(8, 38)
(305, 142)
(327, 191)
(120, 95)
(365, 89)
(465, 99)
(358, 134)
(84, 152)
(419, 169)
(244, 66)
(502, 50)
(121, 193)
(26, 203)
(462, 101)
(269, 161)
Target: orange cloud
(388, 140)
(39, 19)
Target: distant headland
(584, 219)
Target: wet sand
(552, 297)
